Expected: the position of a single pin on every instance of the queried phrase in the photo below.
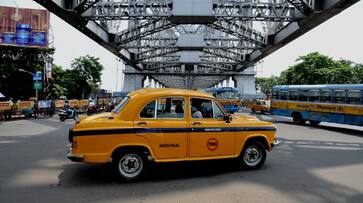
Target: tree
(84, 77)
(55, 88)
(14, 82)
(315, 68)
(266, 84)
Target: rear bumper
(74, 157)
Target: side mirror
(227, 118)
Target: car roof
(160, 92)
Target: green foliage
(13, 82)
(266, 84)
(55, 87)
(315, 68)
(84, 77)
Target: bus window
(283, 95)
(339, 96)
(325, 96)
(303, 95)
(354, 97)
(275, 95)
(293, 95)
(314, 95)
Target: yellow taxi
(168, 125)
(262, 106)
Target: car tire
(314, 123)
(253, 156)
(129, 166)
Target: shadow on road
(292, 170)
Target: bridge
(193, 43)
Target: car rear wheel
(253, 156)
(129, 166)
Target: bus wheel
(298, 119)
(314, 123)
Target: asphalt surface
(312, 164)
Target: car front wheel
(129, 166)
(253, 156)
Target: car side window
(170, 108)
(218, 113)
(149, 110)
(201, 108)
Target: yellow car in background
(168, 125)
(262, 106)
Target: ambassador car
(168, 125)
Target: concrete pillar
(132, 80)
(245, 81)
(152, 83)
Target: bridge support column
(133, 79)
(245, 81)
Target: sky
(339, 37)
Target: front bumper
(275, 143)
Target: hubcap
(130, 165)
(252, 156)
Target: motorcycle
(110, 107)
(91, 109)
(67, 114)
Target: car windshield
(121, 105)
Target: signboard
(37, 85)
(73, 103)
(25, 105)
(4, 106)
(59, 103)
(24, 27)
(83, 102)
(37, 76)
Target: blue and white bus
(227, 97)
(316, 103)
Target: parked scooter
(68, 114)
(91, 109)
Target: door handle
(142, 123)
(196, 123)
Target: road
(312, 164)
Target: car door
(163, 122)
(209, 134)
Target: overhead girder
(231, 43)
(240, 29)
(304, 6)
(153, 53)
(143, 29)
(159, 9)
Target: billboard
(24, 27)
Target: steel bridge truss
(186, 37)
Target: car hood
(250, 120)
